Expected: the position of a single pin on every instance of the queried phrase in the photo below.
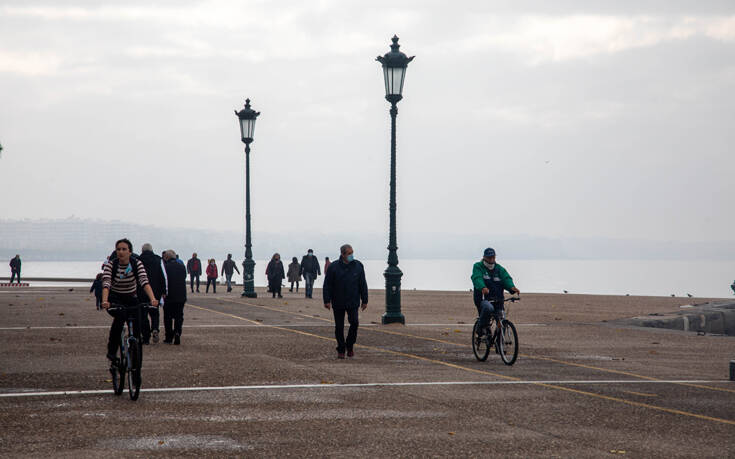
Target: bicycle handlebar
(119, 307)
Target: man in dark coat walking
(228, 266)
(157, 280)
(173, 307)
(15, 268)
(310, 270)
(345, 288)
(194, 268)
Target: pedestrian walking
(15, 268)
(294, 274)
(194, 268)
(310, 270)
(97, 289)
(228, 266)
(274, 272)
(212, 275)
(173, 307)
(157, 279)
(326, 264)
(345, 291)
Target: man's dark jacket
(345, 285)
(228, 266)
(310, 264)
(15, 265)
(190, 267)
(153, 269)
(176, 282)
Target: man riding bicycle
(489, 280)
(120, 279)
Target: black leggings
(213, 281)
(113, 342)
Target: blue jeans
(309, 281)
(487, 311)
(229, 281)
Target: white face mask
(489, 266)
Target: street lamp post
(394, 64)
(247, 117)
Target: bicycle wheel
(508, 343)
(480, 345)
(117, 369)
(134, 369)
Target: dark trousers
(275, 287)
(213, 281)
(297, 286)
(98, 300)
(192, 276)
(339, 327)
(12, 276)
(148, 326)
(173, 319)
(309, 283)
(118, 322)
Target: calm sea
(700, 278)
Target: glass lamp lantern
(247, 117)
(395, 64)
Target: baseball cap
(489, 252)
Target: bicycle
(503, 336)
(130, 351)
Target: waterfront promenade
(259, 377)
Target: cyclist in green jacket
(489, 280)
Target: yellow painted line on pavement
(640, 393)
(533, 357)
(489, 373)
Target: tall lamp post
(395, 64)
(247, 117)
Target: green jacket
(479, 271)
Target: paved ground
(260, 378)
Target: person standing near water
(194, 268)
(310, 270)
(294, 274)
(15, 268)
(228, 266)
(274, 272)
(345, 290)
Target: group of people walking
(309, 269)
(194, 269)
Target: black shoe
(177, 340)
(168, 341)
(280, 296)
(111, 357)
(198, 291)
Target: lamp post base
(393, 319)
(393, 312)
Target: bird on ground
(566, 291)
(672, 295)
(689, 295)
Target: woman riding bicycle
(489, 280)
(120, 287)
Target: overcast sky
(565, 118)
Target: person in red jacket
(212, 275)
